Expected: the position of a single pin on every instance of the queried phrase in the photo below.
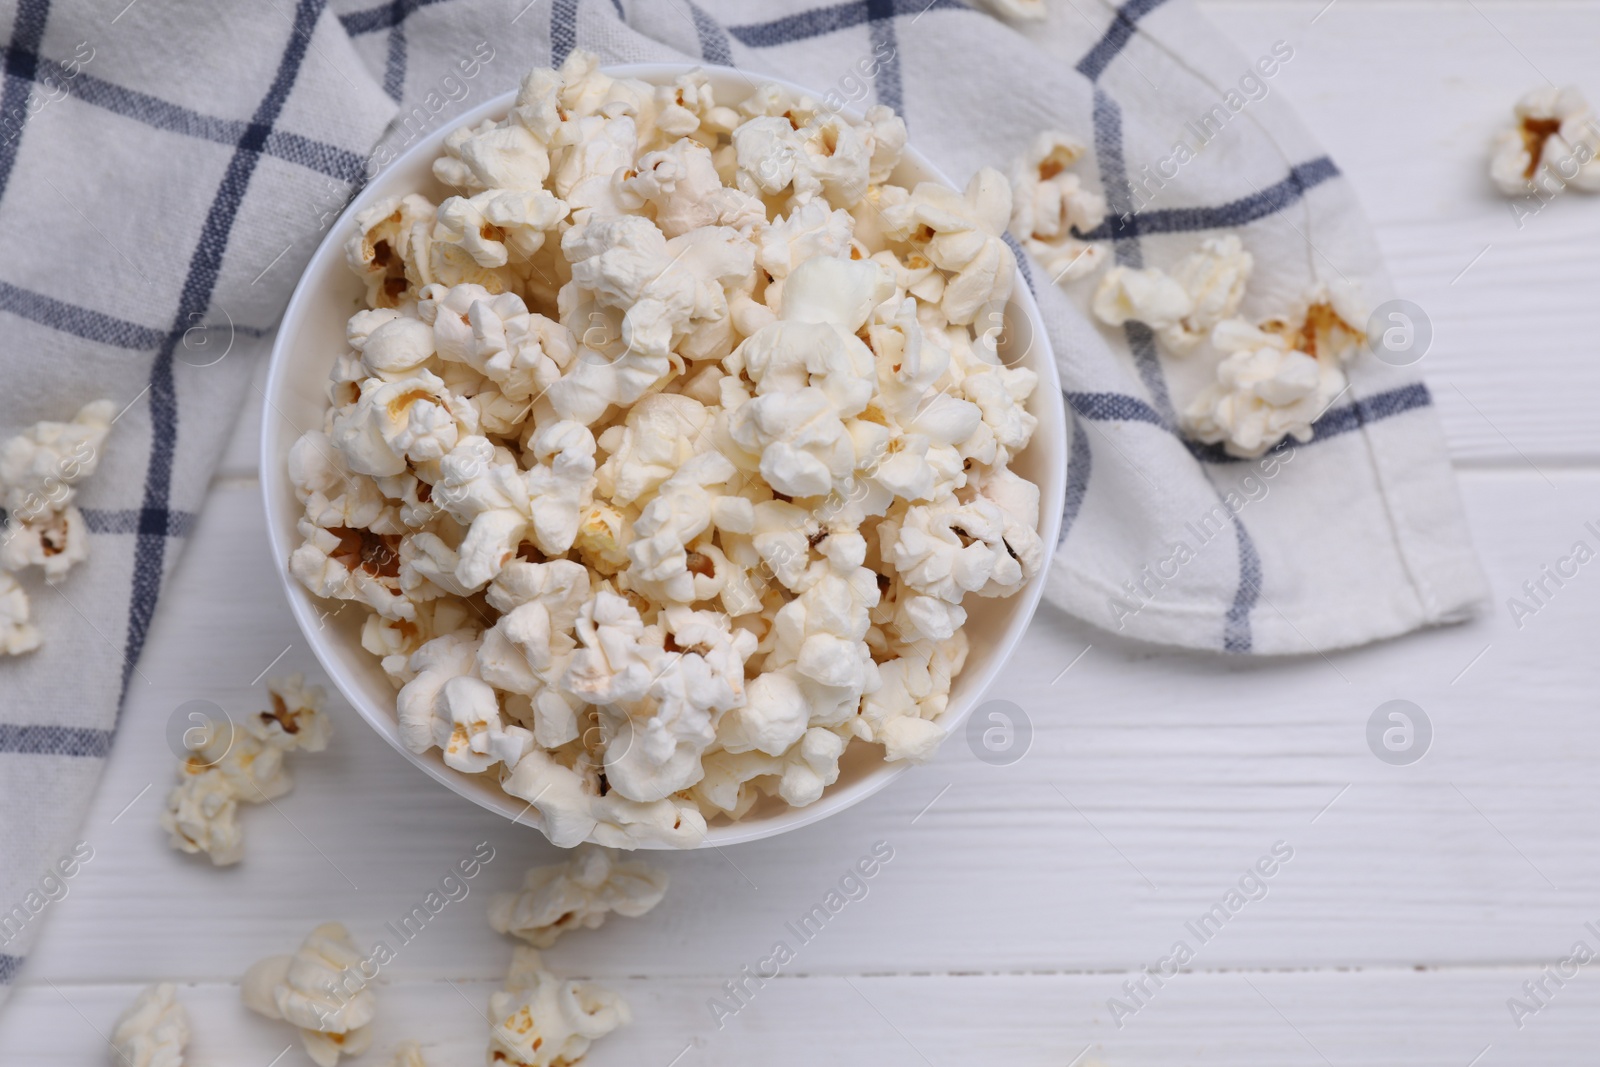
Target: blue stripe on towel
(31, 740)
(1122, 223)
(21, 61)
(204, 266)
(79, 321)
(1119, 407)
(714, 46)
(1079, 462)
(563, 30)
(1117, 36)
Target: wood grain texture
(1207, 1019)
(1020, 898)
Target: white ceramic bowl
(312, 336)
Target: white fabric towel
(163, 178)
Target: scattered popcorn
(296, 721)
(230, 766)
(540, 1020)
(577, 893)
(619, 435)
(1556, 138)
(153, 1031)
(54, 544)
(1266, 390)
(318, 990)
(1182, 309)
(1049, 201)
(17, 632)
(202, 816)
(40, 469)
(1150, 296)
(1214, 279)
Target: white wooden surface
(1020, 898)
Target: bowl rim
(302, 603)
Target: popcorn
(888, 132)
(560, 486)
(1265, 391)
(602, 539)
(578, 893)
(670, 823)
(915, 690)
(654, 745)
(320, 990)
(231, 765)
(1214, 279)
(586, 175)
(1049, 202)
(621, 266)
(153, 1031)
(296, 721)
(351, 564)
(837, 157)
(392, 347)
(202, 816)
(772, 719)
(482, 487)
(948, 549)
(801, 774)
(680, 513)
(1150, 296)
(563, 798)
(391, 249)
(811, 229)
(587, 90)
(423, 710)
(769, 152)
(610, 438)
(17, 632)
(414, 419)
(503, 155)
(334, 495)
(477, 738)
(960, 233)
(492, 226)
(41, 467)
(1324, 323)
(682, 184)
(54, 544)
(394, 640)
(802, 443)
(1556, 138)
(540, 1020)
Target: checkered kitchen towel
(163, 178)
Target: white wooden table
(1021, 898)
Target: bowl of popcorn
(662, 459)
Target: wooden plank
(1239, 1019)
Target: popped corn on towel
(163, 178)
